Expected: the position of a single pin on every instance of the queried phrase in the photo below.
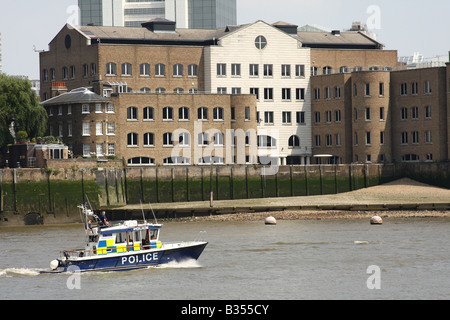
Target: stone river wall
(51, 195)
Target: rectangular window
(86, 150)
(382, 113)
(86, 129)
(428, 112)
(99, 149)
(403, 114)
(404, 138)
(427, 87)
(111, 128)
(286, 70)
(111, 149)
(381, 89)
(415, 137)
(85, 108)
(254, 70)
(236, 70)
(247, 113)
(286, 117)
(255, 91)
(268, 117)
(367, 114)
(300, 117)
(415, 113)
(300, 94)
(368, 139)
(367, 90)
(403, 89)
(268, 70)
(286, 94)
(268, 93)
(221, 70)
(300, 70)
(99, 128)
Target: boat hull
(133, 260)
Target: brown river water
(303, 259)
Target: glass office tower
(192, 14)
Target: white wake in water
(187, 264)
(9, 272)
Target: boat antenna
(153, 212)
(143, 215)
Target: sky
(407, 26)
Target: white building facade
(261, 59)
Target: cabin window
(121, 237)
(137, 236)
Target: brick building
(385, 116)
(257, 74)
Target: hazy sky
(407, 26)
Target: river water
(319, 259)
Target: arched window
(178, 90)
(218, 113)
(184, 139)
(111, 68)
(192, 70)
(203, 139)
(167, 139)
(168, 113)
(149, 139)
(266, 141)
(126, 69)
(160, 70)
(294, 142)
(132, 139)
(177, 70)
(327, 70)
(149, 113)
(202, 113)
(218, 139)
(144, 69)
(183, 113)
(132, 113)
(143, 161)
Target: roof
(345, 39)
(80, 95)
(143, 35)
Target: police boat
(121, 246)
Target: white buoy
(271, 220)
(54, 264)
(376, 220)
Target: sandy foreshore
(399, 191)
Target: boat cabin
(124, 237)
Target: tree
(20, 108)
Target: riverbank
(406, 193)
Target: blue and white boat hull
(133, 260)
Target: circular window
(68, 42)
(260, 42)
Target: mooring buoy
(376, 220)
(271, 220)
